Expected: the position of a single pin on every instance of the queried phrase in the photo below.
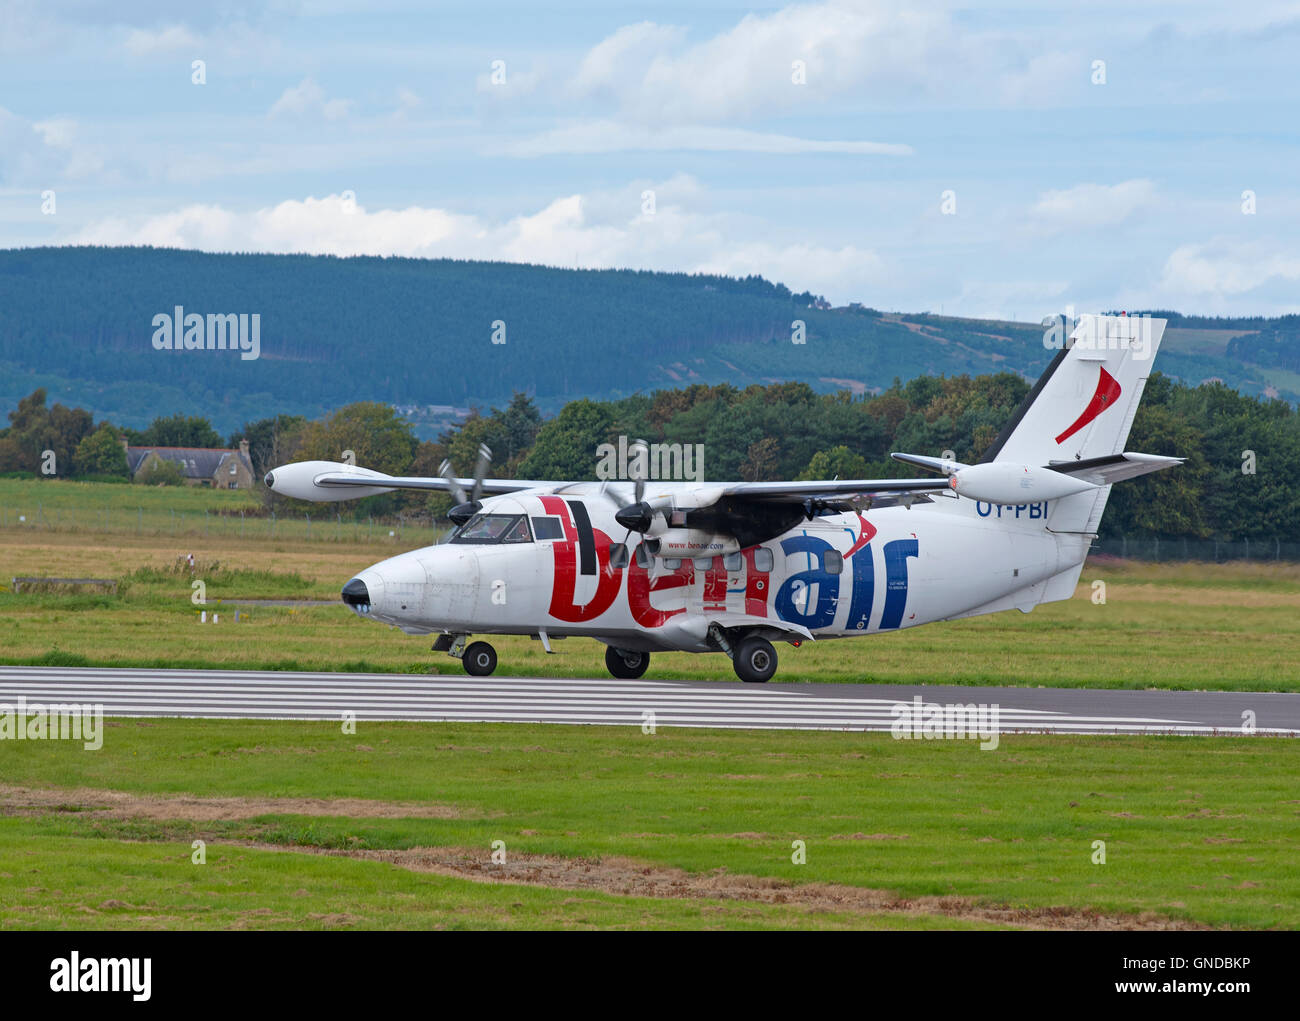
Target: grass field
(607, 827)
(394, 827)
(32, 508)
(1199, 626)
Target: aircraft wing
(834, 490)
(490, 487)
(330, 481)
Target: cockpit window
(548, 528)
(483, 529)
(518, 532)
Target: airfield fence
(142, 521)
(1200, 550)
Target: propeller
(467, 505)
(638, 515)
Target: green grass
(73, 882)
(1202, 830)
(91, 497)
(39, 507)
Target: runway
(273, 695)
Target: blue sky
(346, 127)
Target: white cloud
(621, 60)
(873, 52)
(143, 42)
(43, 153)
(1221, 268)
(308, 98)
(1088, 206)
(605, 230)
(843, 273)
(57, 132)
(611, 136)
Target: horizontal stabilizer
(1103, 471)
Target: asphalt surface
(223, 694)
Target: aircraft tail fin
(1083, 406)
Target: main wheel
(480, 659)
(627, 665)
(755, 660)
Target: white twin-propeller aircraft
(732, 567)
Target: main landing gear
(752, 657)
(625, 664)
(754, 660)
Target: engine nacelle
(689, 543)
(1002, 482)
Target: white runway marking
(226, 694)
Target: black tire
(480, 659)
(621, 668)
(755, 660)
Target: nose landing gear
(478, 658)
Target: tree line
(1241, 479)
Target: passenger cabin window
(487, 529)
(548, 528)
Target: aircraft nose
(355, 593)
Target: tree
(566, 445)
(836, 463)
(760, 464)
(178, 431)
(271, 441)
(378, 437)
(509, 434)
(101, 453)
(35, 429)
(161, 472)
(1167, 502)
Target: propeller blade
(638, 467)
(445, 471)
(480, 470)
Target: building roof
(194, 462)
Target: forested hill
(80, 321)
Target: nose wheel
(480, 659)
